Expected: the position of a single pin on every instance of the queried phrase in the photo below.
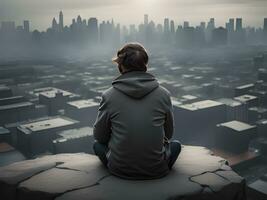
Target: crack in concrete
(39, 172)
(79, 188)
(203, 185)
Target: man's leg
(101, 151)
(175, 147)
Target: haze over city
(125, 12)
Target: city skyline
(40, 13)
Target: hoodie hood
(135, 84)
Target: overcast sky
(41, 12)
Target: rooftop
(230, 102)
(3, 130)
(201, 105)
(79, 104)
(50, 92)
(245, 86)
(237, 125)
(16, 105)
(47, 124)
(74, 133)
(245, 98)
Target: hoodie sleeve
(169, 122)
(102, 125)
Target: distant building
(5, 92)
(8, 26)
(26, 26)
(244, 89)
(5, 135)
(36, 137)
(239, 25)
(166, 25)
(262, 127)
(54, 98)
(219, 36)
(256, 113)
(235, 110)
(84, 111)
(197, 121)
(250, 100)
(17, 108)
(61, 22)
(74, 141)
(235, 136)
(145, 19)
(93, 30)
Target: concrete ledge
(197, 174)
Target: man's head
(132, 57)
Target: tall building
(186, 24)
(211, 24)
(93, 29)
(172, 27)
(202, 25)
(8, 26)
(265, 25)
(231, 25)
(219, 36)
(61, 22)
(26, 26)
(146, 19)
(239, 24)
(166, 25)
(54, 25)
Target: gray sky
(41, 12)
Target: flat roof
(189, 97)
(79, 104)
(237, 125)
(262, 121)
(245, 86)
(258, 109)
(75, 133)
(47, 124)
(50, 92)
(245, 98)
(3, 130)
(201, 105)
(229, 102)
(16, 105)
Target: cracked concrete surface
(197, 174)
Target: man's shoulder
(164, 91)
(108, 93)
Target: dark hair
(133, 57)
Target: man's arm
(169, 121)
(102, 125)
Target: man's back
(134, 116)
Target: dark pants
(101, 151)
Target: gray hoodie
(133, 118)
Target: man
(135, 121)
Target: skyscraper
(146, 19)
(93, 30)
(26, 26)
(186, 24)
(166, 25)
(211, 24)
(239, 24)
(203, 25)
(61, 23)
(172, 27)
(54, 25)
(265, 25)
(231, 25)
